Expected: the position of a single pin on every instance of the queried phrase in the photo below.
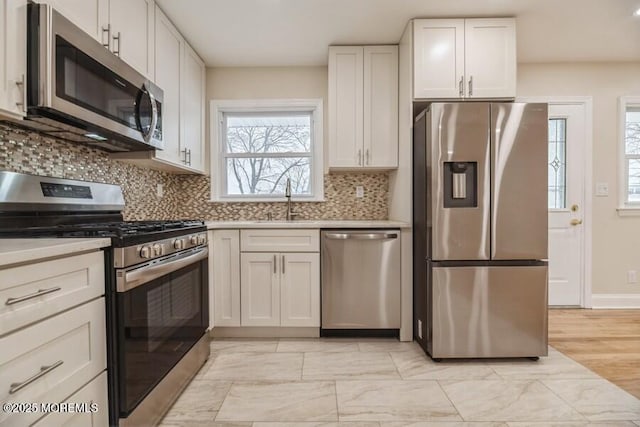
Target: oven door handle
(127, 280)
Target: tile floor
(386, 383)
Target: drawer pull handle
(44, 370)
(11, 301)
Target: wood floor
(605, 341)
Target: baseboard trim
(615, 301)
(264, 332)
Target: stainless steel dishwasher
(360, 280)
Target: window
(629, 134)
(557, 164)
(260, 144)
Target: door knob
(576, 221)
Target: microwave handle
(147, 136)
(154, 117)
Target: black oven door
(158, 322)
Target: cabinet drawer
(280, 240)
(93, 393)
(52, 359)
(61, 283)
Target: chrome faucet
(287, 193)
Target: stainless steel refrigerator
(480, 229)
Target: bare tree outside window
(632, 153)
(262, 150)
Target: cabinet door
(345, 106)
(192, 108)
(13, 57)
(300, 289)
(92, 16)
(225, 277)
(132, 37)
(95, 392)
(490, 58)
(259, 289)
(167, 70)
(438, 58)
(381, 106)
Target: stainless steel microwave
(78, 90)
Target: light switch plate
(160, 190)
(359, 191)
(602, 189)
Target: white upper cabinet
(464, 58)
(13, 57)
(363, 107)
(132, 35)
(192, 109)
(381, 106)
(490, 57)
(181, 74)
(346, 64)
(125, 27)
(168, 47)
(92, 16)
(439, 58)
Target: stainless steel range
(156, 286)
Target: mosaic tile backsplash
(185, 196)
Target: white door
(300, 289)
(567, 136)
(381, 106)
(192, 108)
(259, 289)
(490, 57)
(345, 106)
(13, 57)
(439, 58)
(167, 71)
(132, 35)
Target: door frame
(585, 258)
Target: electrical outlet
(160, 190)
(359, 191)
(419, 328)
(632, 276)
(602, 189)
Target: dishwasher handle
(361, 236)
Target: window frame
(257, 106)
(624, 206)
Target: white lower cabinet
(280, 289)
(259, 289)
(52, 359)
(255, 281)
(90, 402)
(300, 289)
(225, 277)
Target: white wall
(269, 82)
(616, 247)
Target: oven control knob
(202, 240)
(157, 250)
(145, 252)
(178, 244)
(193, 240)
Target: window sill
(266, 200)
(629, 211)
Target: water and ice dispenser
(460, 184)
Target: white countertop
(211, 225)
(13, 251)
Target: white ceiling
(297, 32)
